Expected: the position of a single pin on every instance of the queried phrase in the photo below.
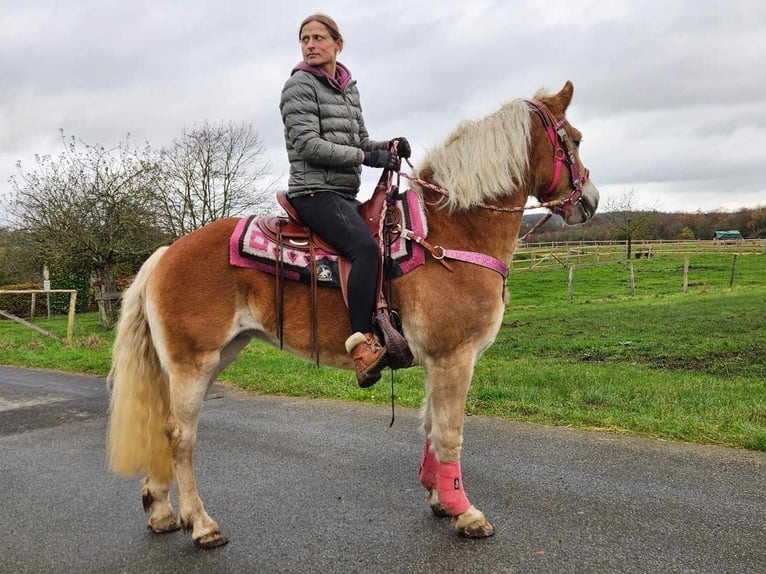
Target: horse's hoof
(164, 526)
(211, 540)
(473, 524)
(484, 531)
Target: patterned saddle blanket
(252, 248)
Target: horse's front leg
(447, 383)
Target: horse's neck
(477, 229)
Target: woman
(327, 143)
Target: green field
(684, 366)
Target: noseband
(563, 152)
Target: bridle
(563, 153)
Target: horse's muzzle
(585, 207)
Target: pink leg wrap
(429, 467)
(449, 485)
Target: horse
(189, 313)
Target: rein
(446, 193)
(562, 153)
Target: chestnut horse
(189, 313)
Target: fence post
(733, 265)
(70, 322)
(569, 282)
(686, 273)
(632, 280)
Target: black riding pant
(336, 220)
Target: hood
(342, 74)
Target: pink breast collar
(440, 254)
(480, 259)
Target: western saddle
(381, 216)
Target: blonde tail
(137, 443)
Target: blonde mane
(482, 160)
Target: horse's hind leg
(187, 391)
(447, 388)
(155, 497)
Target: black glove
(403, 150)
(381, 158)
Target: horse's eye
(577, 143)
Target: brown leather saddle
(297, 235)
(382, 217)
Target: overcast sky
(670, 95)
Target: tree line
(94, 213)
(623, 222)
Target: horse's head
(558, 177)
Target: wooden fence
(565, 254)
(33, 292)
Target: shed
(728, 235)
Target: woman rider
(327, 143)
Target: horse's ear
(564, 97)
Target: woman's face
(318, 47)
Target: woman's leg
(337, 221)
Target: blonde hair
(326, 21)
(482, 160)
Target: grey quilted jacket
(324, 131)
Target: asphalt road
(315, 486)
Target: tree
(212, 172)
(88, 210)
(686, 233)
(756, 226)
(627, 221)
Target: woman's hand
(381, 158)
(403, 148)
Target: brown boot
(368, 355)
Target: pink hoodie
(340, 81)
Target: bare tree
(89, 209)
(627, 220)
(212, 172)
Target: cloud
(668, 95)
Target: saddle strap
(432, 249)
(398, 352)
(314, 310)
(280, 290)
(280, 295)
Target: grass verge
(665, 364)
